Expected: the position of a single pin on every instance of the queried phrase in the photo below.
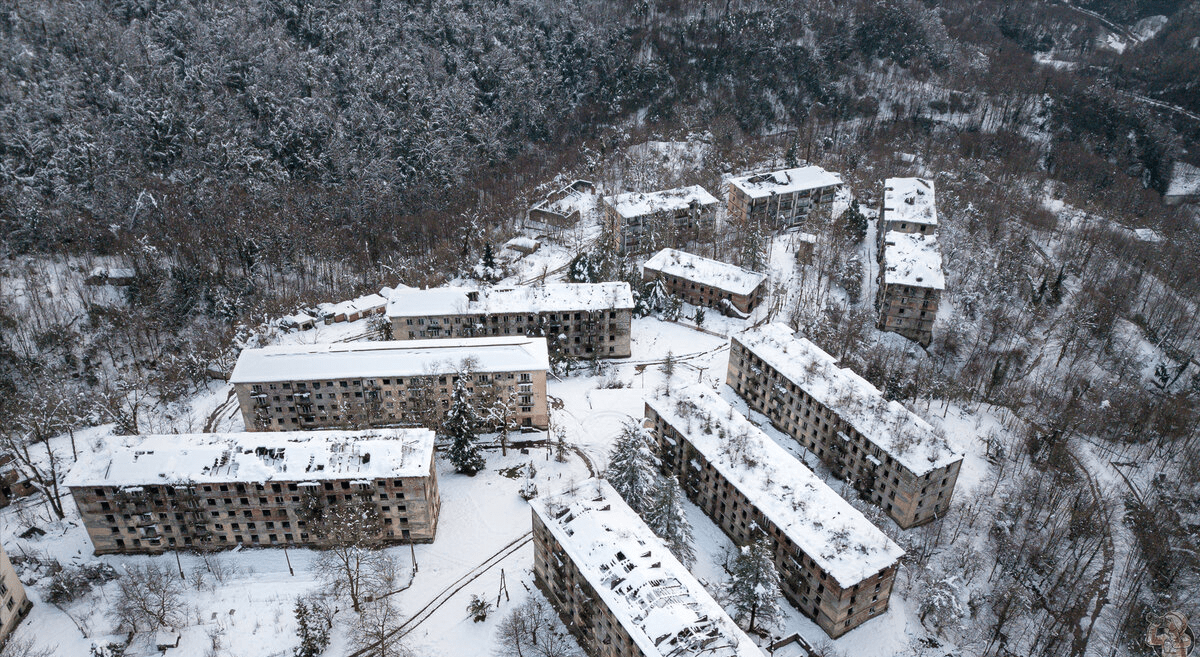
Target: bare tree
(37, 416)
(351, 563)
(377, 630)
(528, 631)
(23, 646)
(149, 597)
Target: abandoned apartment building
(705, 282)
(560, 209)
(644, 221)
(778, 199)
(835, 566)
(14, 604)
(374, 384)
(585, 320)
(910, 262)
(193, 491)
(617, 587)
(910, 285)
(908, 205)
(891, 456)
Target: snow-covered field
(250, 612)
(484, 522)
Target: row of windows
(171, 491)
(399, 381)
(731, 514)
(506, 319)
(240, 539)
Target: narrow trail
(1101, 584)
(444, 596)
(210, 424)
(1160, 104)
(641, 365)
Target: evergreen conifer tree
(489, 258)
(461, 426)
(753, 584)
(631, 468)
(668, 520)
(314, 636)
(856, 222)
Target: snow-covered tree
(529, 489)
(350, 562)
(632, 470)
(667, 519)
(752, 589)
(856, 222)
(461, 426)
(941, 605)
(311, 630)
(672, 307)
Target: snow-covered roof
(638, 204)
(899, 432)
(909, 200)
(785, 181)
(399, 358)
(556, 297)
(297, 319)
(661, 605)
(523, 243)
(705, 271)
(1185, 180)
(834, 534)
(257, 457)
(912, 259)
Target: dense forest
(248, 158)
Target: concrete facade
(580, 319)
(910, 496)
(618, 589)
(674, 214)
(222, 511)
(781, 198)
(407, 383)
(705, 282)
(14, 604)
(910, 285)
(837, 607)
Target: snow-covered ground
(483, 520)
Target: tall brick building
(586, 320)
(781, 198)
(399, 383)
(641, 222)
(617, 587)
(703, 281)
(835, 566)
(910, 285)
(216, 491)
(893, 457)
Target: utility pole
(289, 560)
(503, 590)
(413, 551)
